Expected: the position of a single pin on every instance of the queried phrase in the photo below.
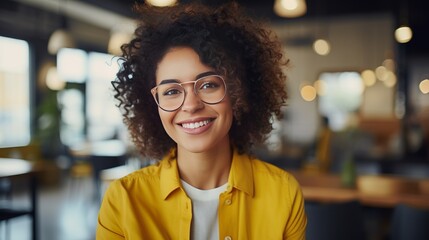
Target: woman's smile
(195, 124)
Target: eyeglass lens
(210, 89)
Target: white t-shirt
(204, 211)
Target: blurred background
(355, 129)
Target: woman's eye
(171, 92)
(208, 85)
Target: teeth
(196, 124)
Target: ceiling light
(117, 39)
(320, 86)
(290, 8)
(424, 86)
(403, 34)
(308, 93)
(321, 47)
(53, 80)
(368, 77)
(161, 3)
(381, 73)
(390, 80)
(59, 39)
(389, 64)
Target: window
(104, 118)
(343, 95)
(72, 68)
(14, 92)
(88, 110)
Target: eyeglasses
(170, 95)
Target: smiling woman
(183, 63)
(189, 81)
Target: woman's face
(196, 126)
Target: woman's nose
(192, 101)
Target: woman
(198, 88)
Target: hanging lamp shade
(60, 38)
(290, 8)
(403, 34)
(161, 3)
(115, 42)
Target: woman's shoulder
(147, 174)
(265, 169)
(264, 166)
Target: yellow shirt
(261, 202)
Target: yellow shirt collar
(240, 175)
(169, 176)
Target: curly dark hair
(242, 50)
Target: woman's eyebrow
(169, 81)
(204, 74)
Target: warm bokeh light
(60, 39)
(115, 42)
(390, 80)
(381, 73)
(53, 80)
(321, 47)
(368, 77)
(320, 87)
(389, 64)
(424, 86)
(161, 3)
(385, 74)
(403, 34)
(290, 8)
(308, 93)
(290, 5)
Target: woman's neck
(206, 170)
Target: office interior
(354, 132)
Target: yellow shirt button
(228, 238)
(228, 201)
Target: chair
(8, 211)
(5, 196)
(409, 223)
(335, 221)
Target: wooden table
(324, 187)
(13, 169)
